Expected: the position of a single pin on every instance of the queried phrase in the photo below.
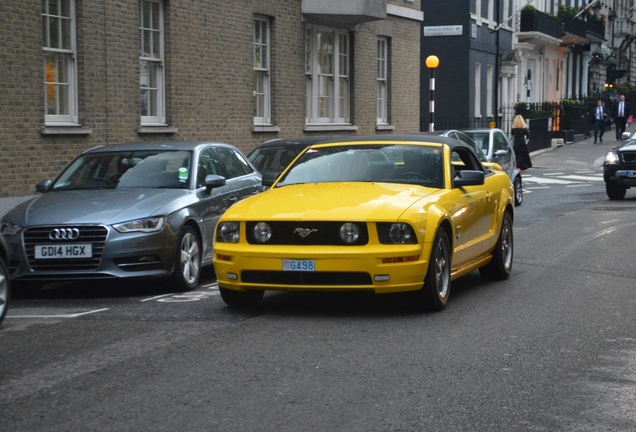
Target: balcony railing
(595, 29)
(539, 22)
(575, 27)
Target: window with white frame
(327, 76)
(477, 90)
(60, 67)
(262, 89)
(489, 90)
(382, 79)
(151, 63)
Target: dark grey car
(129, 210)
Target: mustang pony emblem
(304, 232)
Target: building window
(383, 93)
(477, 90)
(60, 67)
(262, 89)
(489, 90)
(151, 63)
(327, 76)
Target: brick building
(80, 73)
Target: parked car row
(383, 214)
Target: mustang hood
(94, 206)
(330, 201)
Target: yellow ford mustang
(385, 214)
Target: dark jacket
(626, 110)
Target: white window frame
(328, 95)
(490, 73)
(60, 65)
(478, 90)
(152, 79)
(383, 81)
(261, 64)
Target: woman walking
(519, 134)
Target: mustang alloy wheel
(187, 266)
(437, 283)
(500, 266)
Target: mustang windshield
(110, 170)
(413, 164)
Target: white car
(497, 148)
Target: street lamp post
(431, 63)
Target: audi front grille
(94, 234)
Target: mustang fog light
(228, 232)
(381, 278)
(262, 232)
(349, 232)
(223, 257)
(232, 276)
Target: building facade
(81, 73)
(497, 54)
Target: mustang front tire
(434, 294)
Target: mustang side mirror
(468, 178)
(269, 178)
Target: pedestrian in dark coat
(621, 113)
(519, 135)
(599, 117)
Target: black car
(272, 157)
(5, 284)
(619, 170)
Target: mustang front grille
(93, 234)
(308, 234)
(305, 278)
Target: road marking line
(157, 297)
(57, 316)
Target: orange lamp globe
(432, 62)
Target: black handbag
(608, 121)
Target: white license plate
(71, 250)
(298, 265)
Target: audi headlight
(146, 225)
(611, 157)
(396, 233)
(349, 233)
(262, 232)
(9, 229)
(228, 232)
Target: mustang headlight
(349, 232)
(396, 233)
(228, 232)
(146, 225)
(611, 157)
(262, 232)
(9, 229)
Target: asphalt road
(552, 348)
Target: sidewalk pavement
(581, 154)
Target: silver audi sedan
(128, 210)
